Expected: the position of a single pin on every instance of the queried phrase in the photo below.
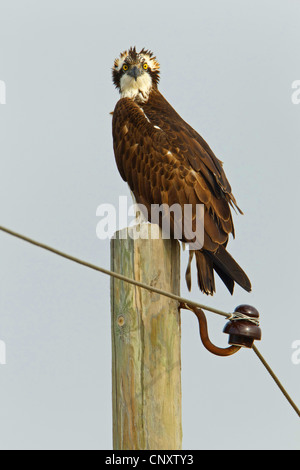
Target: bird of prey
(165, 161)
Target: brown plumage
(164, 160)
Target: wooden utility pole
(146, 361)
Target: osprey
(165, 161)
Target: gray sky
(227, 68)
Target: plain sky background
(227, 67)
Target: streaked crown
(144, 60)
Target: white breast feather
(131, 88)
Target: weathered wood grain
(146, 363)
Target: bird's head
(135, 74)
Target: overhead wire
(175, 297)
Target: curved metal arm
(204, 334)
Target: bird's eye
(125, 67)
(145, 66)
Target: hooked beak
(134, 72)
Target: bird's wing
(192, 146)
(157, 168)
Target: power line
(151, 289)
(276, 380)
(114, 274)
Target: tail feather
(206, 278)
(224, 265)
(229, 283)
